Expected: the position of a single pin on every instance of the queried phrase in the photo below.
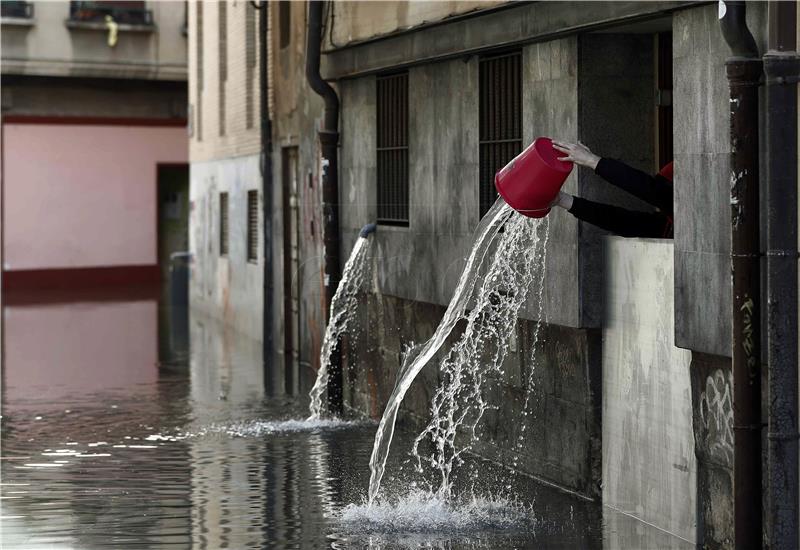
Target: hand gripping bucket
(531, 181)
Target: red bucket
(531, 181)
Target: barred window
(250, 61)
(223, 224)
(223, 62)
(392, 149)
(500, 119)
(252, 226)
(285, 22)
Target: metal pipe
(266, 187)
(328, 136)
(782, 67)
(744, 70)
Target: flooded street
(116, 435)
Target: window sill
(102, 26)
(16, 21)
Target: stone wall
(557, 441)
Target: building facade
(631, 376)
(95, 173)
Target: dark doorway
(291, 271)
(173, 260)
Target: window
(663, 99)
(16, 9)
(199, 68)
(124, 12)
(500, 132)
(223, 62)
(223, 224)
(285, 22)
(250, 62)
(252, 226)
(392, 149)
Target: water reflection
(114, 436)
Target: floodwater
(118, 434)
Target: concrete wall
(357, 21)
(649, 464)
(83, 196)
(49, 46)
(702, 175)
(228, 288)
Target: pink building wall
(82, 196)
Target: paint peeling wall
(230, 287)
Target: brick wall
(237, 133)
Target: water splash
(423, 512)
(474, 364)
(413, 364)
(343, 308)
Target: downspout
(782, 67)
(744, 70)
(266, 186)
(328, 136)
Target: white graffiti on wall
(716, 413)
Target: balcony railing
(16, 10)
(124, 13)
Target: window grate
(392, 148)
(252, 226)
(500, 134)
(223, 62)
(284, 22)
(223, 224)
(250, 62)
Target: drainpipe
(266, 184)
(328, 136)
(744, 70)
(782, 67)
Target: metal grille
(250, 61)
(252, 226)
(285, 22)
(392, 149)
(223, 62)
(500, 119)
(223, 224)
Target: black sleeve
(654, 190)
(626, 223)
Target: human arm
(620, 221)
(654, 190)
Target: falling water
(343, 308)
(475, 361)
(413, 363)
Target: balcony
(92, 15)
(16, 13)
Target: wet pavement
(116, 434)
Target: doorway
(291, 271)
(173, 260)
